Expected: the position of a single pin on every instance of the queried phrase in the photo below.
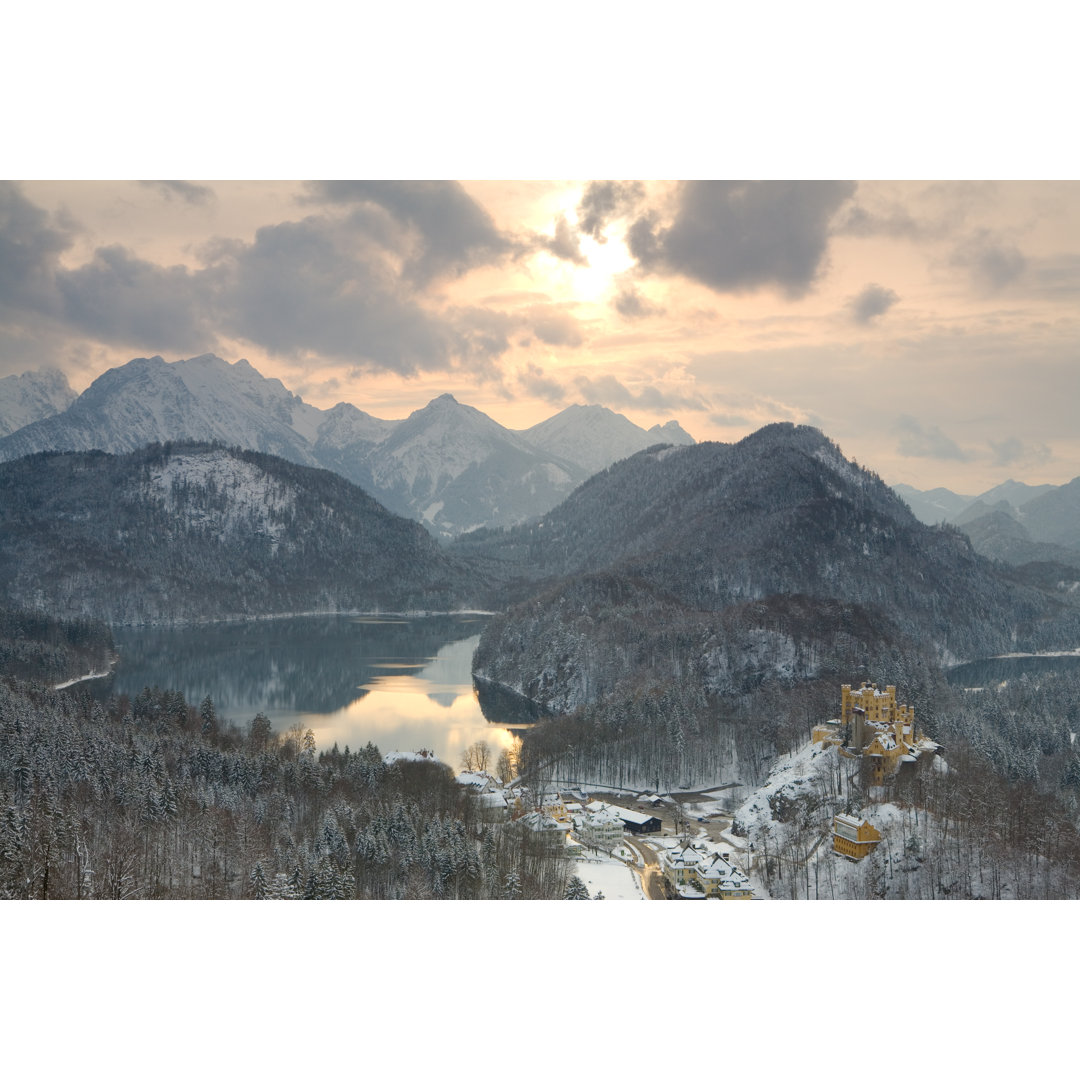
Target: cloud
(31, 243)
(534, 381)
(894, 221)
(454, 233)
(119, 297)
(630, 304)
(564, 244)
(604, 201)
(917, 440)
(184, 190)
(992, 262)
(741, 236)
(330, 285)
(873, 301)
(607, 390)
(327, 286)
(1012, 451)
(555, 327)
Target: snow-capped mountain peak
(32, 396)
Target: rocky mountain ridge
(447, 465)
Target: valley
(664, 619)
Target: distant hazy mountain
(933, 507)
(594, 437)
(941, 504)
(454, 468)
(195, 532)
(1012, 522)
(1054, 518)
(33, 396)
(447, 465)
(999, 535)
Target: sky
(929, 327)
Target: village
(696, 845)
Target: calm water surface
(995, 670)
(403, 684)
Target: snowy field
(606, 874)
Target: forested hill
(41, 649)
(198, 531)
(781, 512)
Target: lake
(403, 684)
(999, 669)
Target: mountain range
(1014, 522)
(447, 465)
(781, 518)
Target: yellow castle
(873, 726)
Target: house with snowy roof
(696, 874)
(631, 819)
(854, 838)
(602, 830)
(477, 783)
(493, 806)
(723, 879)
(545, 827)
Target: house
(631, 819)
(493, 806)
(602, 830)
(549, 831)
(854, 838)
(478, 783)
(722, 879)
(696, 874)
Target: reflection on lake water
(403, 684)
(998, 669)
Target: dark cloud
(894, 221)
(184, 190)
(630, 304)
(120, 298)
(454, 232)
(322, 285)
(929, 441)
(555, 327)
(992, 262)
(564, 244)
(329, 285)
(1012, 451)
(31, 243)
(873, 301)
(534, 381)
(739, 236)
(605, 201)
(607, 390)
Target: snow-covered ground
(81, 678)
(611, 876)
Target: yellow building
(854, 838)
(873, 726)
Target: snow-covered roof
(410, 755)
(847, 819)
(474, 779)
